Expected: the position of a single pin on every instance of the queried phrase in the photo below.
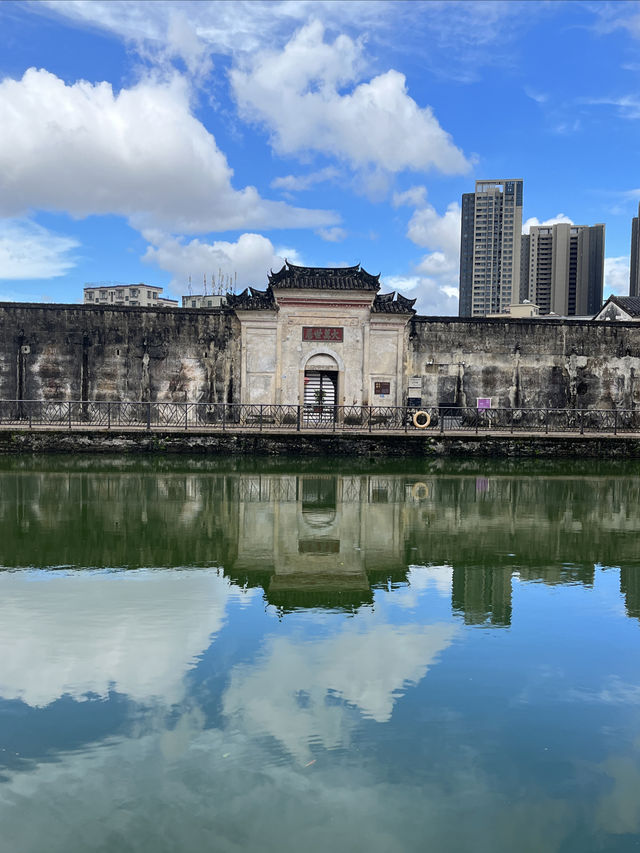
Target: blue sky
(153, 141)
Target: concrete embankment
(289, 443)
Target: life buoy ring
(419, 491)
(421, 420)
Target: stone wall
(526, 363)
(74, 352)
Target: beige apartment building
(491, 229)
(563, 268)
(135, 295)
(203, 300)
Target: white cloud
(140, 153)
(615, 16)
(135, 632)
(435, 297)
(628, 106)
(460, 36)
(332, 235)
(616, 276)
(558, 219)
(248, 259)
(365, 665)
(435, 279)
(432, 231)
(243, 26)
(27, 251)
(297, 183)
(413, 197)
(299, 94)
(538, 97)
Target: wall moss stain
(131, 354)
(74, 352)
(366, 446)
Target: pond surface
(202, 656)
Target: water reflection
(330, 540)
(285, 651)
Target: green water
(200, 656)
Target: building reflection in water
(328, 540)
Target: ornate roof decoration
(385, 303)
(252, 299)
(324, 278)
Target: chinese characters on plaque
(381, 388)
(322, 333)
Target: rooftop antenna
(190, 288)
(205, 283)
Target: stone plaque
(381, 388)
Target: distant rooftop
(91, 285)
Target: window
(193, 303)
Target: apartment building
(203, 300)
(562, 269)
(134, 295)
(490, 247)
(634, 278)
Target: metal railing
(187, 416)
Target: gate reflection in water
(204, 657)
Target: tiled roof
(630, 304)
(324, 278)
(385, 303)
(252, 300)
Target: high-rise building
(563, 268)
(490, 242)
(634, 279)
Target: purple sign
(484, 403)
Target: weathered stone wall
(526, 363)
(76, 352)
(73, 352)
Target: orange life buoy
(418, 424)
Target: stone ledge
(283, 443)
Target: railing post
(477, 420)
(581, 421)
(30, 413)
(511, 421)
(406, 419)
(260, 417)
(69, 404)
(108, 415)
(441, 420)
(186, 416)
(369, 418)
(298, 418)
(546, 422)
(224, 413)
(149, 415)
(615, 422)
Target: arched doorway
(320, 388)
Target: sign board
(483, 403)
(381, 388)
(322, 333)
